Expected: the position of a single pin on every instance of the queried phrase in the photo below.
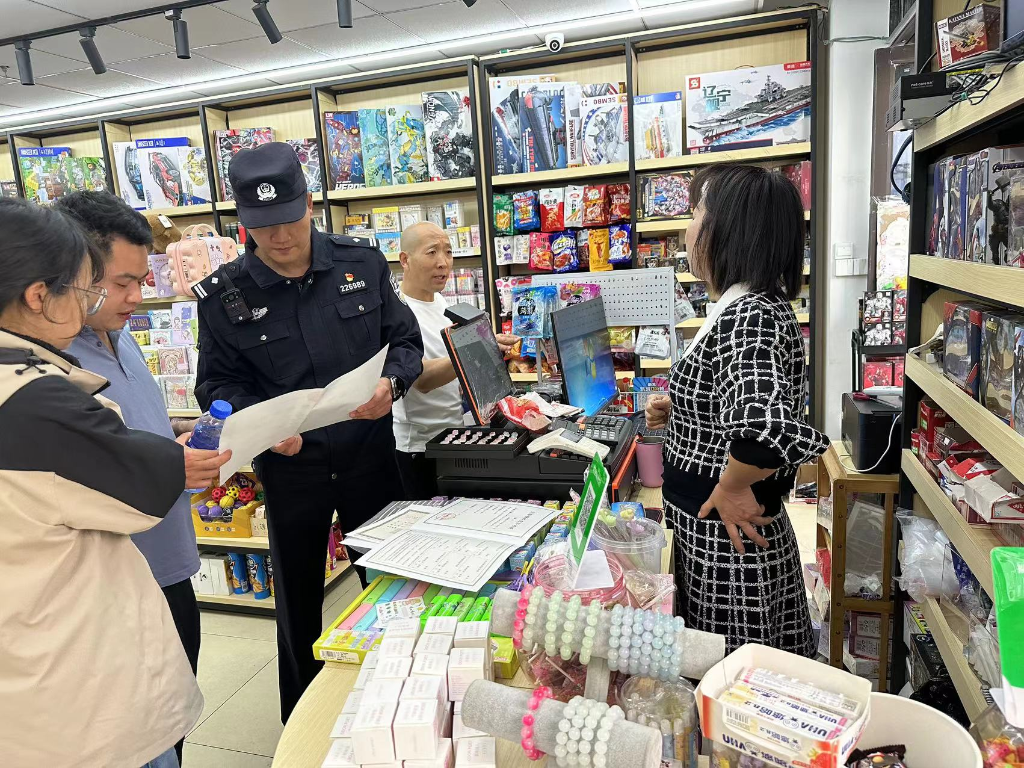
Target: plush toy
(163, 235)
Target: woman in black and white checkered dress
(735, 430)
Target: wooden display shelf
(967, 684)
(974, 543)
(248, 604)
(402, 190)
(1001, 284)
(182, 210)
(696, 322)
(751, 155)
(228, 205)
(652, 364)
(964, 116)
(984, 426)
(664, 225)
(541, 178)
(184, 413)
(249, 544)
(689, 277)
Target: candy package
(599, 254)
(571, 292)
(524, 413)
(573, 215)
(520, 249)
(619, 251)
(1001, 744)
(621, 338)
(552, 209)
(618, 203)
(503, 214)
(503, 250)
(524, 211)
(531, 308)
(595, 206)
(540, 251)
(504, 288)
(563, 252)
(583, 248)
(653, 341)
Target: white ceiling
(230, 52)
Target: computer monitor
(585, 355)
(479, 365)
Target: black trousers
(301, 500)
(181, 599)
(419, 475)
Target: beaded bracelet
(590, 631)
(569, 627)
(551, 627)
(535, 605)
(527, 743)
(520, 623)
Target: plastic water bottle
(206, 435)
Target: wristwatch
(397, 388)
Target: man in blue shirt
(122, 238)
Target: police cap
(268, 184)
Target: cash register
(491, 458)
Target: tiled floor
(241, 722)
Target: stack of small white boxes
(400, 712)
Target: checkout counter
(486, 461)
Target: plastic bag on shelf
(1001, 744)
(864, 538)
(924, 548)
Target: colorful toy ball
(217, 493)
(233, 490)
(228, 502)
(246, 495)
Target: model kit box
(407, 143)
(955, 208)
(542, 127)
(605, 129)
(160, 166)
(749, 107)
(1004, 204)
(997, 358)
(659, 125)
(800, 175)
(976, 30)
(961, 361)
(128, 173)
(877, 374)
(974, 193)
(195, 181)
(937, 210)
(506, 133)
(449, 129)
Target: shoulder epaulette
(215, 282)
(355, 241)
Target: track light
(24, 58)
(262, 14)
(345, 14)
(180, 33)
(92, 53)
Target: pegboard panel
(631, 296)
(580, 319)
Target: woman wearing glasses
(91, 668)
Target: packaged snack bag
(540, 251)
(552, 209)
(563, 252)
(573, 215)
(599, 251)
(571, 292)
(504, 288)
(618, 203)
(595, 206)
(525, 217)
(503, 250)
(619, 251)
(530, 309)
(502, 214)
(583, 248)
(520, 249)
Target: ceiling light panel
(259, 55)
(453, 20)
(24, 17)
(38, 96)
(372, 35)
(113, 83)
(170, 70)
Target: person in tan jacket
(91, 669)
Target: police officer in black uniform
(297, 311)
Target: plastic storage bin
(636, 549)
(932, 738)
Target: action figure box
(308, 152)
(128, 174)
(506, 132)
(997, 356)
(878, 334)
(407, 143)
(974, 192)
(195, 181)
(373, 133)
(963, 35)
(229, 143)
(1017, 417)
(344, 150)
(899, 305)
(748, 107)
(449, 128)
(961, 360)
(938, 233)
(878, 307)
(1004, 203)
(542, 136)
(160, 166)
(877, 374)
(955, 208)
(605, 129)
(664, 196)
(658, 118)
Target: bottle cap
(220, 409)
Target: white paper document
(460, 545)
(372, 534)
(255, 429)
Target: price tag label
(400, 609)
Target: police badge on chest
(351, 285)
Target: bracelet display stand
(701, 650)
(498, 710)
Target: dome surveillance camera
(554, 41)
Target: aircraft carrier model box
(748, 107)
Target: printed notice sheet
(460, 545)
(255, 429)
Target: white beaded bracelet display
(584, 731)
